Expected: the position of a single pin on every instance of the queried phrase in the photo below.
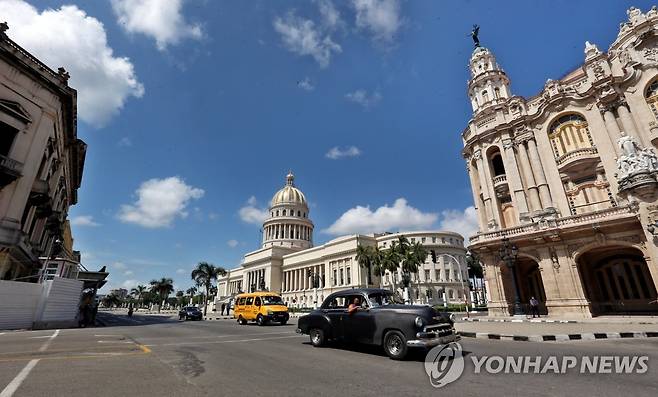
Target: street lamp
(508, 253)
(316, 278)
(461, 280)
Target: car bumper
(278, 317)
(429, 339)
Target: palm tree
(162, 288)
(138, 292)
(179, 298)
(204, 274)
(390, 261)
(371, 258)
(191, 292)
(474, 269)
(414, 255)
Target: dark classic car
(381, 319)
(190, 313)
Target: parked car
(261, 307)
(190, 313)
(381, 319)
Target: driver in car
(354, 306)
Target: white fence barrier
(28, 305)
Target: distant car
(190, 313)
(382, 319)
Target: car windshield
(384, 298)
(272, 300)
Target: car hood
(277, 308)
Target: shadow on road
(106, 319)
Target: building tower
(288, 224)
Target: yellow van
(261, 307)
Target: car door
(358, 326)
(335, 310)
(257, 305)
(249, 309)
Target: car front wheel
(317, 337)
(260, 320)
(395, 345)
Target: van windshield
(272, 300)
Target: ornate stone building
(288, 263)
(569, 177)
(41, 160)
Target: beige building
(41, 159)
(288, 262)
(569, 177)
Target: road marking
(144, 348)
(50, 339)
(16, 382)
(224, 341)
(221, 336)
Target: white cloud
(463, 222)
(400, 216)
(70, 38)
(381, 18)
(336, 153)
(364, 99)
(128, 273)
(119, 265)
(331, 18)
(233, 243)
(306, 84)
(130, 284)
(159, 202)
(84, 220)
(251, 213)
(180, 271)
(125, 142)
(302, 37)
(162, 20)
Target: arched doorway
(617, 281)
(530, 284)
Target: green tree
(138, 292)
(162, 288)
(204, 275)
(371, 258)
(180, 298)
(191, 292)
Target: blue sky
(195, 110)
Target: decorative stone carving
(591, 51)
(554, 259)
(637, 167)
(650, 54)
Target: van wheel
(395, 345)
(317, 337)
(283, 322)
(260, 320)
(242, 321)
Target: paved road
(151, 354)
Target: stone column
(484, 188)
(529, 178)
(495, 208)
(538, 172)
(513, 177)
(482, 217)
(629, 125)
(613, 129)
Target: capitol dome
(289, 194)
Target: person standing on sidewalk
(534, 307)
(221, 313)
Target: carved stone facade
(570, 177)
(41, 161)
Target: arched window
(569, 133)
(485, 96)
(651, 96)
(277, 212)
(497, 164)
(496, 92)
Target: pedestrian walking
(223, 306)
(534, 307)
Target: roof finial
(474, 34)
(290, 178)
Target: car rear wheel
(283, 322)
(395, 345)
(242, 321)
(317, 337)
(260, 320)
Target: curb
(508, 320)
(560, 337)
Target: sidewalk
(536, 331)
(595, 320)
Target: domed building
(304, 275)
(288, 224)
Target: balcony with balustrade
(10, 170)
